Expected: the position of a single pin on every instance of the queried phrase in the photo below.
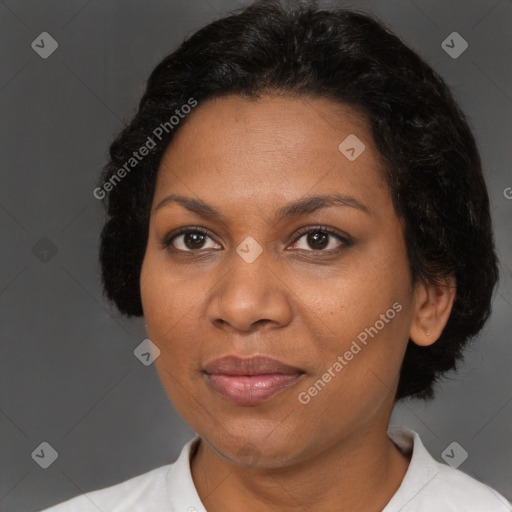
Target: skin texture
(297, 303)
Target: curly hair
(432, 163)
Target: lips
(252, 380)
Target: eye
(318, 239)
(192, 239)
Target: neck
(338, 479)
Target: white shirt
(428, 486)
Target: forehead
(275, 146)
(270, 121)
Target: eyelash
(167, 242)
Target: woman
(298, 211)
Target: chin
(253, 447)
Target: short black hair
(433, 167)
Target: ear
(432, 307)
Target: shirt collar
(181, 491)
(421, 471)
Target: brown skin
(248, 159)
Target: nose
(251, 296)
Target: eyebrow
(298, 207)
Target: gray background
(68, 375)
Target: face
(323, 287)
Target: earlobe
(433, 305)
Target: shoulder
(465, 490)
(148, 491)
(431, 485)
(119, 497)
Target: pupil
(314, 238)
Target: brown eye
(321, 239)
(188, 240)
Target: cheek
(165, 299)
(171, 312)
(363, 319)
(357, 377)
(165, 307)
(346, 302)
